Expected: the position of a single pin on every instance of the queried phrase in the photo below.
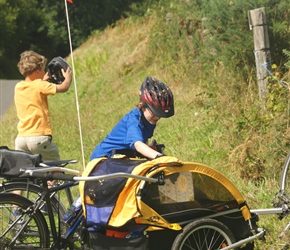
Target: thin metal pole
(75, 85)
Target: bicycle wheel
(284, 186)
(32, 191)
(20, 227)
(203, 234)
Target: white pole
(75, 85)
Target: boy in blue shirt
(131, 134)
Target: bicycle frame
(284, 174)
(45, 196)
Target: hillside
(218, 119)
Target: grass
(218, 120)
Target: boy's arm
(145, 150)
(64, 86)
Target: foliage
(217, 32)
(42, 26)
(16, 28)
(209, 64)
(209, 43)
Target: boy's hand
(67, 74)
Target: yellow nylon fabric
(128, 198)
(130, 207)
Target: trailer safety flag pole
(74, 78)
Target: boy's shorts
(38, 145)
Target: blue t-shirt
(131, 128)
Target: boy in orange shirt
(31, 101)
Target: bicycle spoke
(17, 228)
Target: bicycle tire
(31, 191)
(283, 178)
(34, 235)
(57, 205)
(35, 190)
(203, 234)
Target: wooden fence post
(257, 22)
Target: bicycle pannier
(11, 161)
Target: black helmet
(54, 70)
(158, 97)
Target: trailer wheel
(205, 234)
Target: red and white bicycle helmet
(158, 97)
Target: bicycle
(30, 228)
(32, 188)
(281, 201)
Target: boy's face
(150, 117)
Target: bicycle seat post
(46, 198)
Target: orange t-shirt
(31, 103)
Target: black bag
(11, 161)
